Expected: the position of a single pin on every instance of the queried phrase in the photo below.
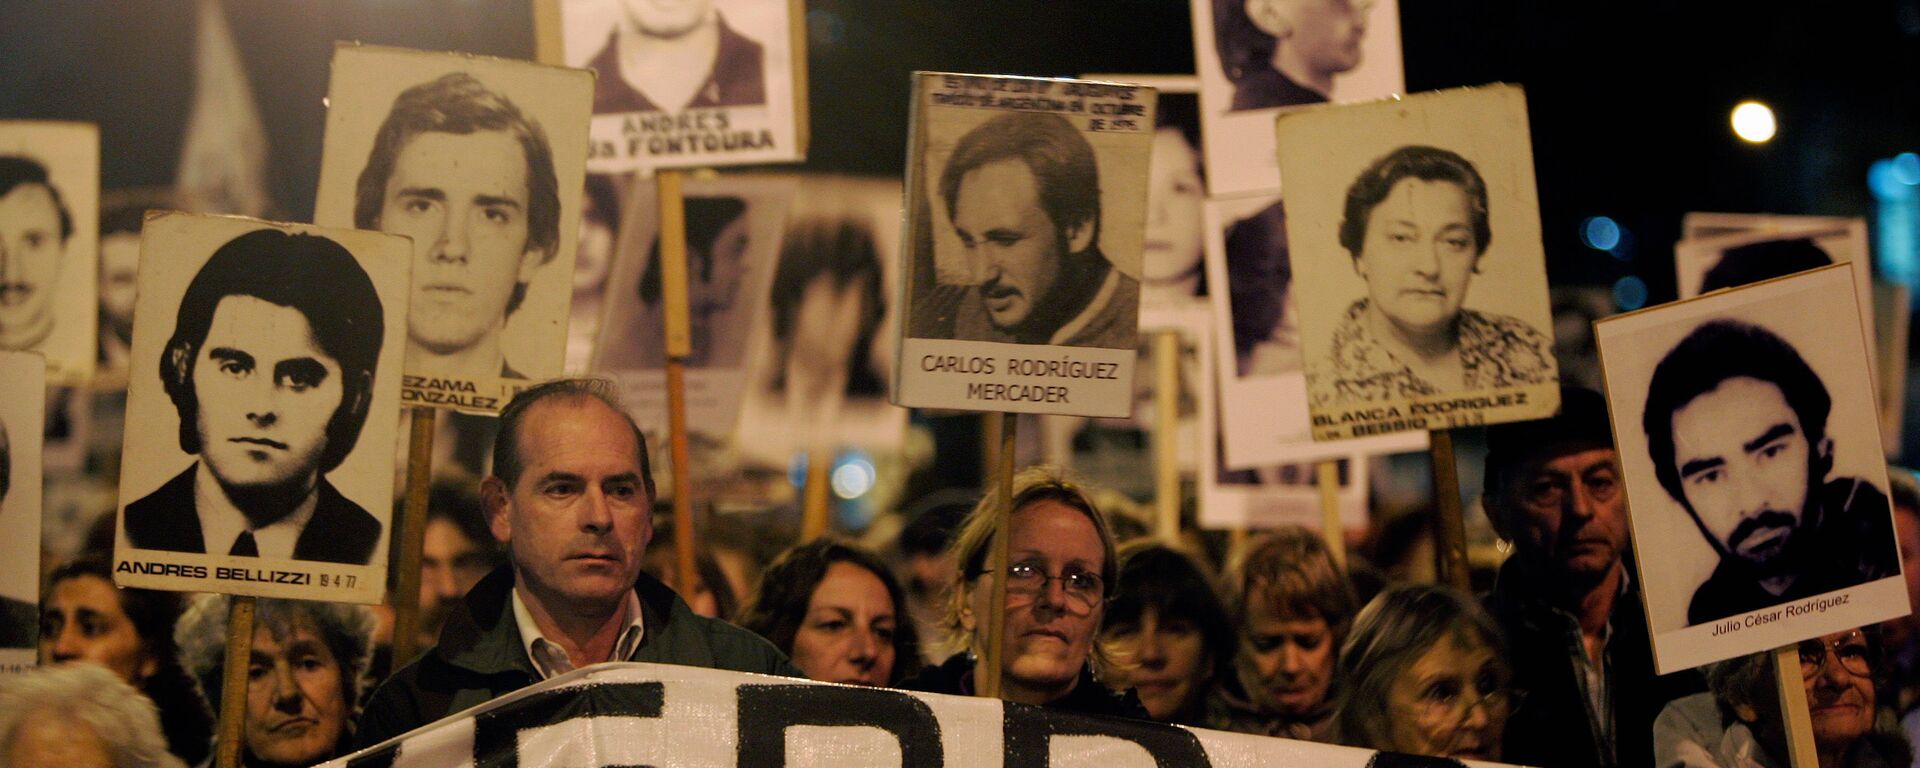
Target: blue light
(1623, 250)
(1906, 168)
(853, 477)
(1630, 293)
(1600, 233)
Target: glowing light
(1753, 122)
(1906, 168)
(853, 478)
(1630, 293)
(1600, 233)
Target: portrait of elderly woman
(1416, 227)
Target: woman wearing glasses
(1739, 723)
(1423, 672)
(1060, 570)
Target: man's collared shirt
(549, 659)
(221, 523)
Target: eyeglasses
(1850, 650)
(1028, 579)
(1450, 698)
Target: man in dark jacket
(1573, 617)
(570, 498)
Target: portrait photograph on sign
(1120, 453)
(1256, 58)
(1256, 330)
(1171, 272)
(23, 388)
(1283, 494)
(1026, 200)
(481, 162)
(260, 429)
(689, 84)
(1414, 233)
(49, 214)
(734, 228)
(1755, 483)
(1698, 224)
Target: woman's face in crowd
(296, 705)
(1839, 684)
(1174, 193)
(847, 634)
(1049, 627)
(1451, 702)
(1286, 659)
(1419, 254)
(1170, 656)
(83, 621)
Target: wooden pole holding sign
(233, 690)
(413, 533)
(1793, 706)
(1166, 435)
(1000, 487)
(816, 510)
(1327, 477)
(673, 289)
(1449, 529)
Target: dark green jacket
(480, 656)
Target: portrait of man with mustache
(271, 367)
(1736, 425)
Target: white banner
(666, 715)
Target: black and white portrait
(1754, 476)
(725, 64)
(265, 361)
(1256, 56)
(1120, 454)
(479, 162)
(23, 387)
(49, 202)
(1417, 257)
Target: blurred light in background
(1896, 223)
(1600, 233)
(1630, 293)
(1753, 122)
(853, 476)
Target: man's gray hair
(124, 720)
(346, 629)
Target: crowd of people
(554, 564)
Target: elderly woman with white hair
(304, 674)
(78, 716)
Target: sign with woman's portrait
(260, 411)
(1414, 229)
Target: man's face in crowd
(667, 18)
(266, 393)
(576, 523)
(296, 705)
(82, 621)
(1568, 511)
(30, 253)
(1744, 460)
(1013, 247)
(462, 197)
(450, 564)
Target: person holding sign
(1060, 574)
(675, 56)
(571, 497)
(1416, 224)
(34, 229)
(1736, 428)
(470, 177)
(271, 368)
(1022, 191)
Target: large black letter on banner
(1029, 730)
(766, 711)
(496, 733)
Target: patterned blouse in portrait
(1495, 351)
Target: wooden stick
(413, 534)
(1166, 435)
(1793, 707)
(1001, 486)
(1449, 529)
(1327, 476)
(817, 497)
(673, 285)
(233, 691)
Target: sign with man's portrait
(734, 230)
(23, 390)
(1414, 234)
(1025, 201)
(482, 163)
(687, 84)
(49, 234)
(1256, 325)
(260, 412)
(1755, 482)
(1256, 58)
